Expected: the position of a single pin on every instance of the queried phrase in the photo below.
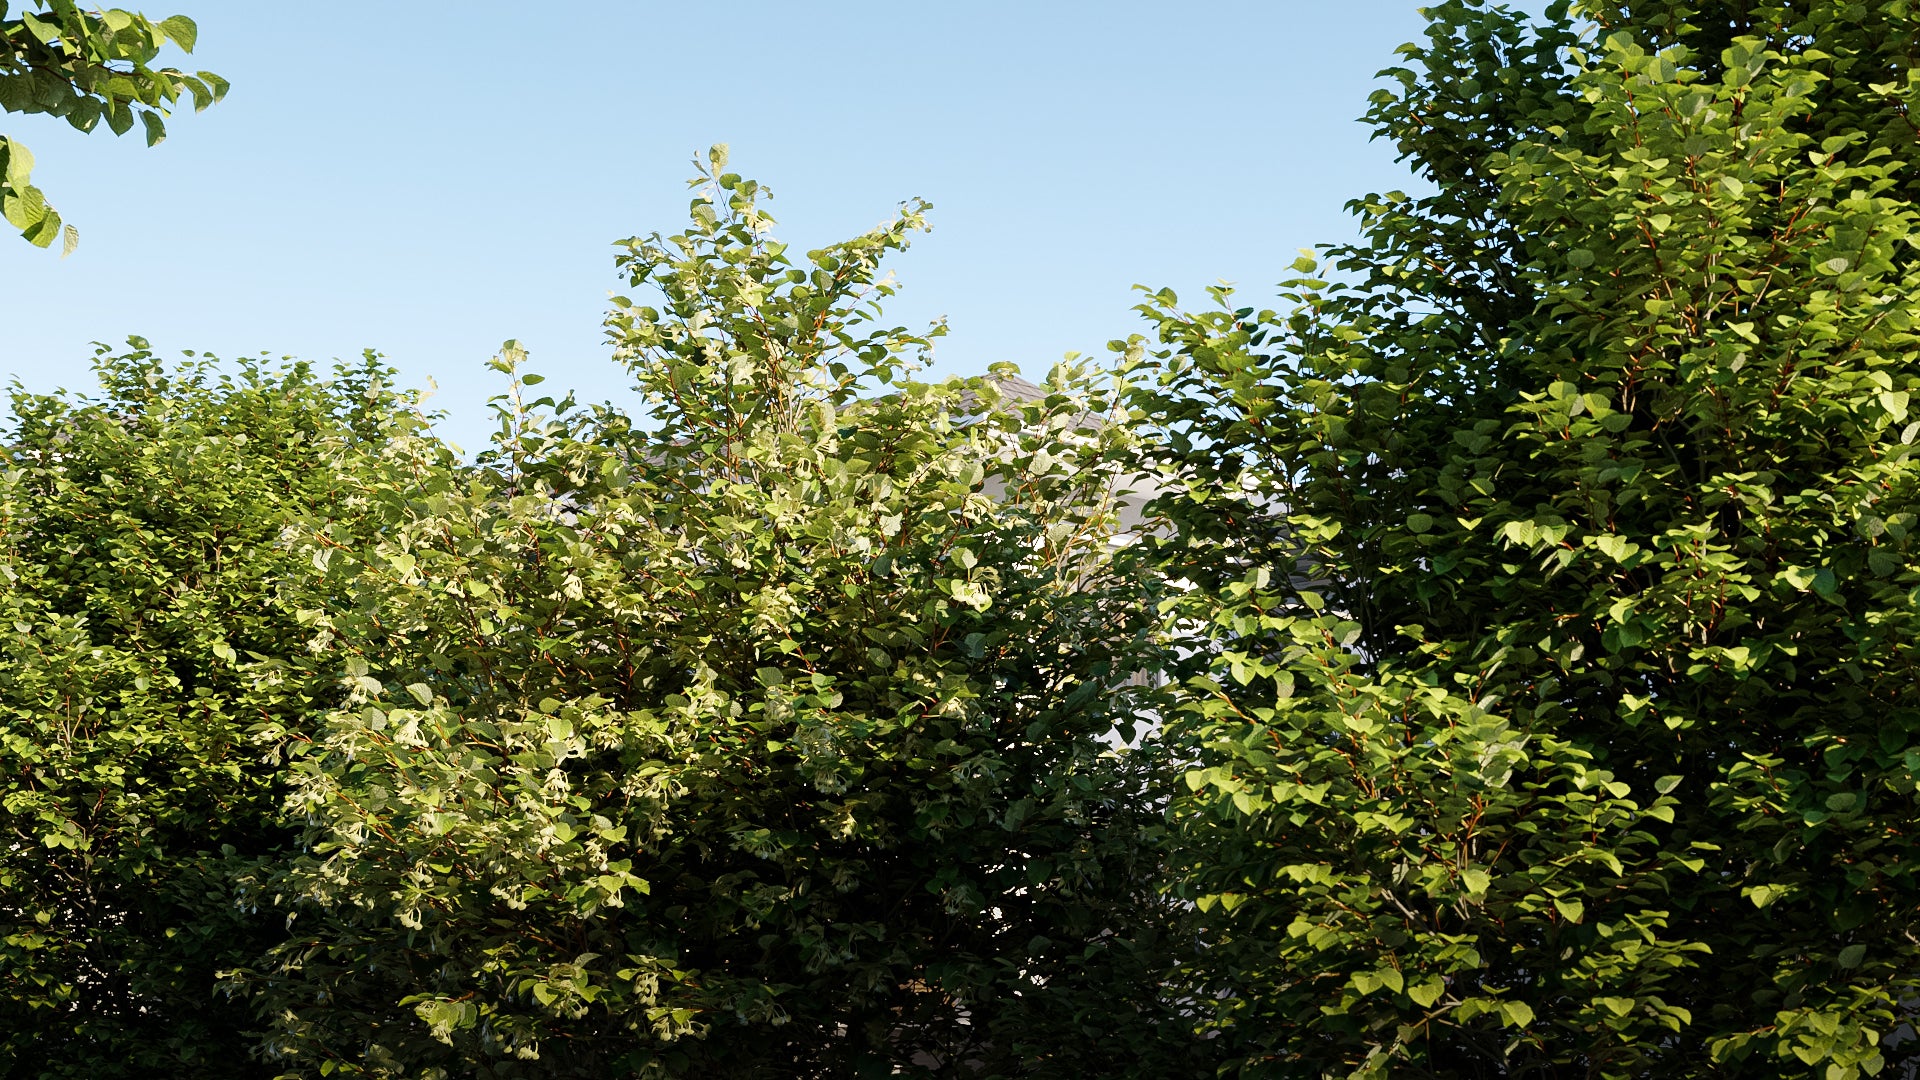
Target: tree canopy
(1561, 716)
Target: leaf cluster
(86, 67)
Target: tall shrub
(143, 640)
(1560, 713)
(758, 736)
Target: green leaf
(1616, 548)
(1852, 955)
(201, 92)
(1516, 1014)
(1523, 533)
(43, 232)
(1895, 404)
(1427, 991)
(45, 30)
(24, 209)
(19, 162)
(182, 30)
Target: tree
(1558, 718)
(145, 640)
(86, 67)
(759, 737)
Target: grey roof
(1016, 387)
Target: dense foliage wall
(143, 541)
(753, 740)
(1514, 675)
(1570, 729)
(775, 732)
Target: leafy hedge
(1513, 675)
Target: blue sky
(428, 179)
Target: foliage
(140, 542)
(763, 738)
(1536, 589)
(86, 67)
(1558, 716)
